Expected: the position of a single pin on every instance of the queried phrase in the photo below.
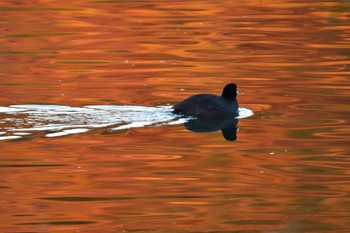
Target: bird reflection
(228, 127)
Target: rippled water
(102, 72)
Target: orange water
(288, 170)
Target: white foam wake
(18, 121)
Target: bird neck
(229, 96)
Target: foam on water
(244, 113)
(17, 121)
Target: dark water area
(288, 169)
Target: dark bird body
(208, 106)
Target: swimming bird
(209, 106)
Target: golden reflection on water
(286, 172)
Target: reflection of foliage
(314, 133)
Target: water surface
(286, 171)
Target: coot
(208, 106)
